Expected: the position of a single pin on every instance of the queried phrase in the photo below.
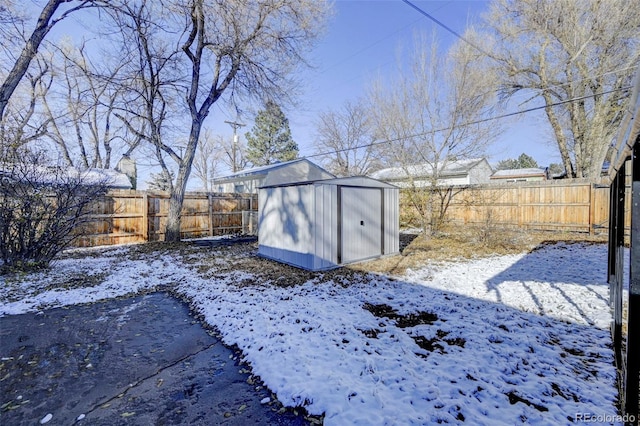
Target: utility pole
(235, 125)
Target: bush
(42, 210)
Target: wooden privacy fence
(570, 205)
(136, 216)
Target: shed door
(361, 221)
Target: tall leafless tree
(46, 20)
(578, 57)
(434, 113)
(344, 140)
(79, 101)
(208, 159)
(25, 125)
(233, 48)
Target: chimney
(127, 166)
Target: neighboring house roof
(519, 173)
(263, 171)
(445, 170)
(45, 175)
(112, 178)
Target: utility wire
(470, 123)
(423, 12)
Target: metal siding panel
(325, 227)
(391, 221)
(319, 227)
(332, 223)
(267, 215)
(361, 223)
(286, 224)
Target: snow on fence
(137, 216)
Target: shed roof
(446, 169)
(262, 171)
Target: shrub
(42, 209)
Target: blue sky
(362, 41)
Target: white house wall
(245, 186)
(425, 183)
(286, 216)
(481, 173)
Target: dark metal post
(616, 258)
(613, 224)
(632, 377)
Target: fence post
(592, 208)
(210, 197)
(520, 207)
(145, 216)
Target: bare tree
(233, 48)
(208, 158)
(344, 138)
(233, 153)
(578, 57)
(433, 114)
(46, 21)
(149, 84)
(81, 112)
(24, 125)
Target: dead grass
(453, 243)
(465, 243)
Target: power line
(423, 12)
(470, 123)
(375, 43)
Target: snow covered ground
(499, 340)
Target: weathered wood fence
(567, 206)
(572, 206)
(137, 216)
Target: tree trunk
(560, 138)
(174, 218)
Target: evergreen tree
(162, 181)
(270, 138)
(524, 161)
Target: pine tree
(270, 138)
(523, 162)
(162, 181)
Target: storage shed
(323, 224)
